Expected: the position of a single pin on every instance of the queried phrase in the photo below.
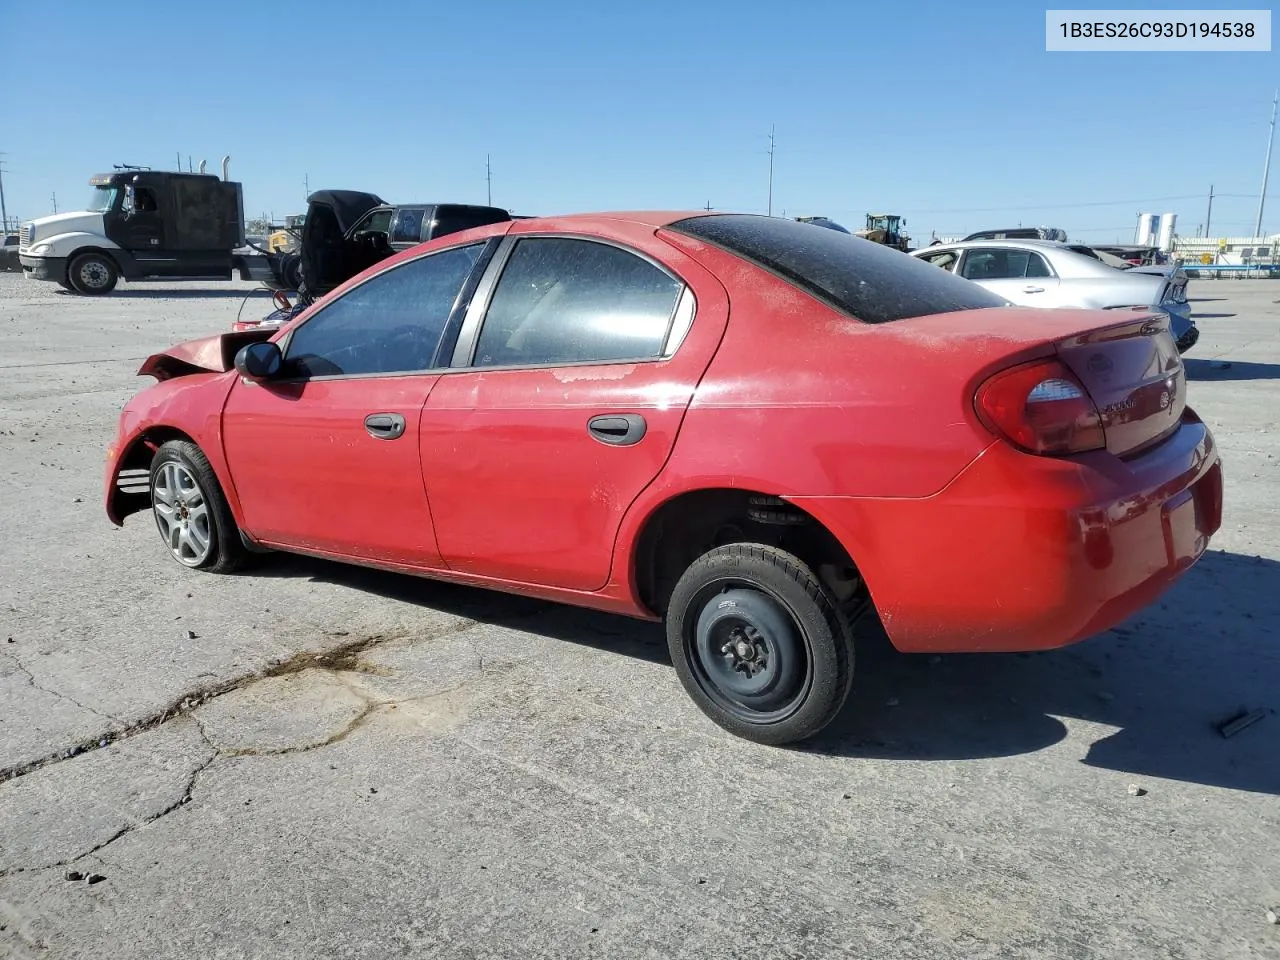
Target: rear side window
(865, 280)
(406, 225)
(452, 219)
(577, 301)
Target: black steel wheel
(759, 644)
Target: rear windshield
(866, 280)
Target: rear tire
(93, 274)
(191, 512)
(759, 643)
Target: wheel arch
(678, 529)
(130, 490)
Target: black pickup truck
(348, 231)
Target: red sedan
(753, 428)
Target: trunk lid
(1134, 375)
(1125, 359)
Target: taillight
(1041, 408)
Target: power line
(1056, 206)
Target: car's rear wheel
(759, 643)
(191, 512)
(93, 273)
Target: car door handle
(618, 429)
(1029, 289)
(384, 426)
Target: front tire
(191, 512)
(93, 274)
(759, 643)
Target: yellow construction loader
(886, 228)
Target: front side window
(576, 301)
(1003, 265)
(378, 221)
(391, 323)
(945, 259)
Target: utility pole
(179, 152)
(4, 214)
(708, 206)
(1266, 167)
(190, 168)
(488, 178)
(306, 185)
(1209, 216)
(771, 128)
(54, 197)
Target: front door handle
(618, 429)
(384, 426)
(1033, 289)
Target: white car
(1046, 273)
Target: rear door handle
(618, 429)
(384, 426)
(1033, 289)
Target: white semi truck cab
(144, 224)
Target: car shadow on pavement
(1157, 688)
(1201, 369)
(1211, 316)
(624, 635)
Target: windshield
(102, 198)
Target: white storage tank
(1165, 237)
(1146, 229)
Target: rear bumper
(1031, 553)
(44, 268)
(1188, 339)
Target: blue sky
(950, 113)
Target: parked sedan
(1043, 273)
(752, 429)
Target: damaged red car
(752, 428)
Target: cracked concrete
(61, 813)
(349, 763)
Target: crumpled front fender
(216, 354)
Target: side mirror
(128, 205)
(259, 361)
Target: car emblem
(1100, 364)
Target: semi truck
(143, 224)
